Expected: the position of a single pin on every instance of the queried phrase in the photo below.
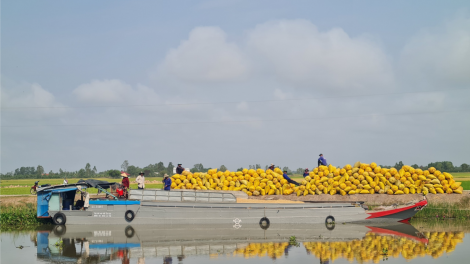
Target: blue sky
(107, 53)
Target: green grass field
(30, 182)
(466, 185)
(461, 174)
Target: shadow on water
(350, 242)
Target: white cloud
(297, 53)
(114, 91)
(32, 95)
(28, 102)
(205, 56)
(439, 55)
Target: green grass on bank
(466, 185)
(460, 210)
(19, 217)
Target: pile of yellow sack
(365, 178)
(253, 182)
(361, 178)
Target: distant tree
(160, 166)
(398, 165)
(124, 165)
(464, 167)
(299, 171)
(61, 172)
(148, 173)
(198, 167)
(88, 170)
(114, 173)
(415, 166)
(81, 173)
(442, 166)
(222, 168)
(266, 168)
(240, 169)
(95, 171)
(133, 170)
(258, 166)
(40, 170)
(169, 169)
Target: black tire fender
(59, 219)
(264, 223)
(330, 222)
(129, 215)
(129, 232)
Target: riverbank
(15, 217)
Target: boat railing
(182, 196)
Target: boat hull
(180, 213)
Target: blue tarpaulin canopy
(63, 190)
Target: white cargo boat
(183, 207)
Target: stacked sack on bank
(361, 178)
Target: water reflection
(376, 247)
(355, 243)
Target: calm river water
(434, 243)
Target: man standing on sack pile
(140, 181)
(271, 167)
(179, 169)
(322, 161)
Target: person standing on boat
(166, 182)
(125, 180)
(306, 173)
(271, 167)
(140, 181)
(179, 169)
(322, 161)
(289, 180)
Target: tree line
(159, 169)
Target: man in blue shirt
(322, 161)
(306, 173)
(166, 182)
(289, 179)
